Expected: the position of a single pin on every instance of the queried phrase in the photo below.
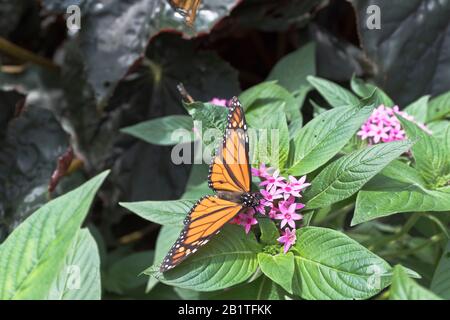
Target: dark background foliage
(77, 90)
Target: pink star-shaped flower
(248, 219)
(288, 215)
(288, 238)
(273, 181)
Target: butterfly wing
(204, 220)
(230, 168)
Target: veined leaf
(167, 236)
(334, 94)
(418, 109)
(385, 195)
(405, 288)
(440, 284)
(439, 107)
(162, 131)
(345, 176)
(209, 115)
(228, 259)
(261, 100)
(269, 231)
(428, 154)
(324, 136)
(279, 268)
(291, 71)
(272, 140)
(79, 278)
(33, 255)
(161, 212)
(331, 265)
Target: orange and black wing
(205, 219)
(230, 168)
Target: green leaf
(334, 94)
(33, 255)
(323, 137)
(263, 99)
(405, 288)
(398, 188)
(345, 176)
(125, 273)
(440, 284)
(361, 88)
(272, 141)
(166, 238)
(439, 107)
(260, 289)
(162, 131)
(418, 109)
(291, 71)
(228, 259)
(269, 231)
(428, 154)
(209, 115)
(331, 265)
(161, 212)
(279, 268)
(197, 185)
(79, 278)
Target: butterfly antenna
(184, 94)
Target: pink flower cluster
(383, 125)
(219, 102)
(279, 202)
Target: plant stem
(404, 230)
(20, 53)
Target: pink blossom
(262, 171)
(299, 184)
(288, 215)
(291, 200)
(288, 238)
(219, 102)
(273, 181)
(383, 125)
(248, 219)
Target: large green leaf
(79, 278)
(33, 255)
(334, 94)
(398, 188)
(439, 107)
(428, 153)
(161, 130)
(261, 100)
(418, 109)
(405, 288)
(291, 71)
(228, 259)
(279, 268)
(345, 176)
(324, 136)
(272, 140)
(260, 289)
(161, 212)
(331, 265)
(166, 238)
(125, 273)
(440, 284)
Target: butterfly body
(230, 178)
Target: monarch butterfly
(188, 8)
(230, 178)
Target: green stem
(17, 52)
(403, 231)
(434, 239)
